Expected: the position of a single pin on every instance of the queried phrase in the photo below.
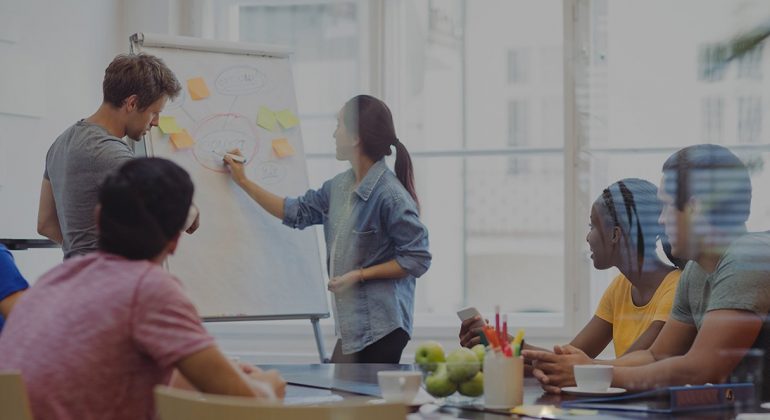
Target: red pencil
(497, 320)
(505, 328)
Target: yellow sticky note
(283, 148)
(197, 88)
(266, 118)
(286, 118)
(168, 125)
(182, 140)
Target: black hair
(144, 204)
(713, 175)
(371, 120)
(637, 202)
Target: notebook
(674, 399)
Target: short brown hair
(143, 75)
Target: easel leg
(319, 340)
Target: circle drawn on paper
(239, 80)
(221, 133)
(270, 173)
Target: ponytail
(405, 171)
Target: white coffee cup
(399, 385)
(593, 377)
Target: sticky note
(197, 88)
(266, 118)
(182, 140)
(286, 118)
(283, 148)
(168, 125)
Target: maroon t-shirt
(95, 334)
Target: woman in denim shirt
(375, 243)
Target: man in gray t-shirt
(76, 164)
(718, 325)
(136, 89)
(740, 282)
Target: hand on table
(555, 370)
(270, 379)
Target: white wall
(53, 58)
(54, 53)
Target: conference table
(330, 381)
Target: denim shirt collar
(364, 189)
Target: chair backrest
(177, 404)
(13, 397)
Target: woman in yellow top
(624, 231)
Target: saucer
(573, 390)
(421, 398)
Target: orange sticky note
(283, 148)
(182, 140)
(197, 88)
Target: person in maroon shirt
(97, 333)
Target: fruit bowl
(456, 377)
(461, 383)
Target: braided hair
(633, 206)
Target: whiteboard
(242, 263)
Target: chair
(13, 397)
(177, 404)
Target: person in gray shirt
(136, 89)
(718, 326)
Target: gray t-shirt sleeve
(681, 310)
(110, 154)
(742, 279)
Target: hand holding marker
(234, 157)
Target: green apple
(480, 351)
(428, 354)
(438, 383)
(473, 387)
(462, 364)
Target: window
(749, 119)
(658, 105)
(712, 111)
(518, 134)
(477, 92)
(750, 65)
(710, 59)
(518, 65)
